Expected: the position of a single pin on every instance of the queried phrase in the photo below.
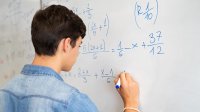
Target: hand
(129, 90)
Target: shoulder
(76, 101)
(46, 87)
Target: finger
(116, 79)
(122, 78)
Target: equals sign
(113, 50)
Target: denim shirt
(40, 89)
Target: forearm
(129, 91)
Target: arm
(129, 91)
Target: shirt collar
(40, 70)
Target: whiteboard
(156, 41)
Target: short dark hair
(52, 24)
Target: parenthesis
(157, 11)
(108, 25)
(135, 17)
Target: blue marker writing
(118, 84)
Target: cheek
(78, 51)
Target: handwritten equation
(155, 43)
(99, 27)
(86, 11)
(95, 27)
(145, 13)
(154, 46)
(84, 74)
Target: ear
(66, 45)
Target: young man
(57, 34)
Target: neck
(48, 61)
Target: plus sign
(143, 45)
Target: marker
(117, 86)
